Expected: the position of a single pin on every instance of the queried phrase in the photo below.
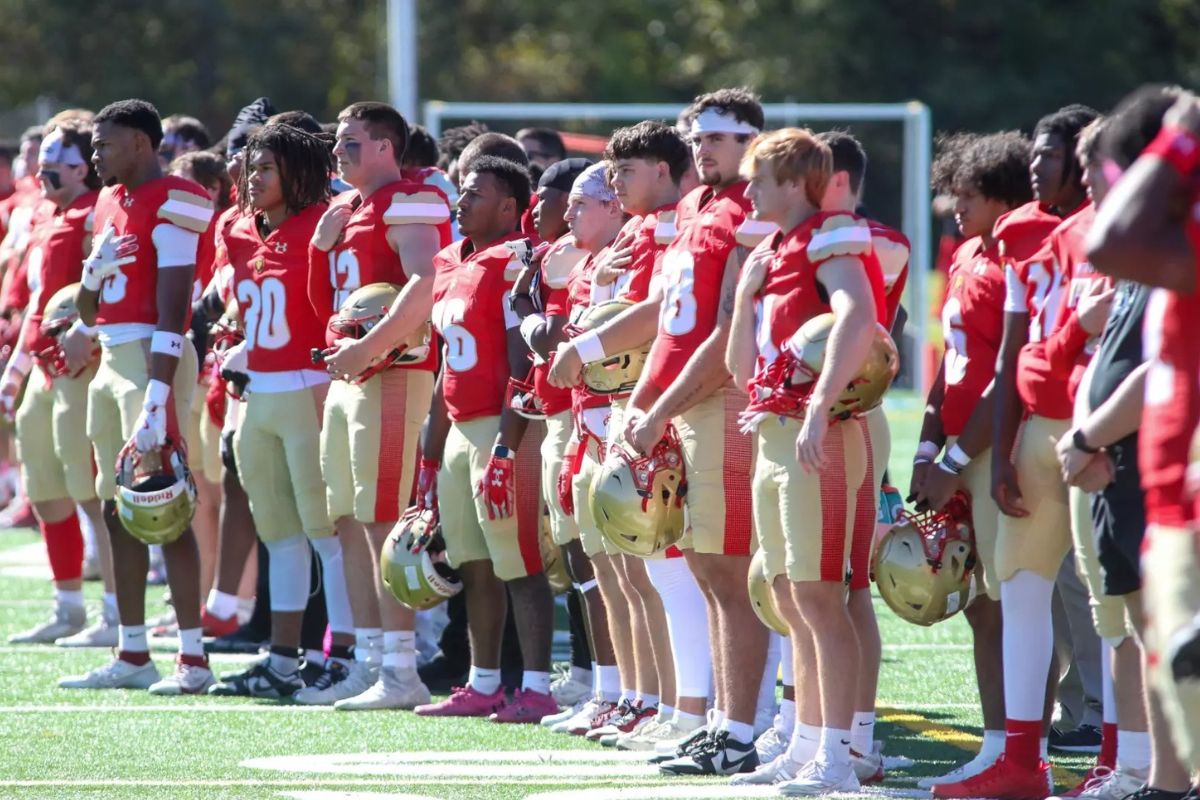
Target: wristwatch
(500, 451)
(1080, 443)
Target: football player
(55, 456)
(386, 230)
(815, 263)
(474, 438)
(1034, 533)
(987, 176)
(136, 288)
(283, 189)
(1141, 235)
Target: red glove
(497, 487)
(566, 477)
(427, 472)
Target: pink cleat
(526, 706)
(465, 702)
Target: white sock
(715, 717)
(741, 731)
(69, 597)
(221, 605)
(400, 649)
(785, 722)
(688, 720)
(191, 641)
(1045, 745)
(110, 601)
(993, 745)
(1028, 641)
(1133, 750)
(664, 711)
(1108, 689)
(333, 578)
(862, 732)
(608, 683)
(364, 641)
(283, 664)
(132, 639)
(534, 681)
(581, 675)
(484, 681)
(806, 740)
(626, 696)
(835, 746)
(648, 700)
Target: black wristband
(1080, 443)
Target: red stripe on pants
(864, 518)
(527, 480)
(833, 508)
(64, 547)
(393, 414)
(738, 467)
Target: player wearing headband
(136, 287)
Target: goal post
(914, 117)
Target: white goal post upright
(918, 142)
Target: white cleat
(771, 744)
(65, 620)
(1112, 784)
(395, 689)
(103, 633)
(820, 778)
(778, 770)
(116, 674)
(868, 767)
(186, 679)
(550, 720)
(337, 682)
(567, 691)
(968, 770)
(583, 717)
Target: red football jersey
(791, 293)
(129, 295)
(972, 327)
(363, 255)
(20, 282)
(648, 236)
(271, 285)
(470, 302)
(1069, 347)
(1172, 403)
(557, 261)
(55, 259)
(891, 249)
(693, 267)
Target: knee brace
(289, 572)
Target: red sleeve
(1066, 344)
(320, 290)
(14, 292)
(558, 303)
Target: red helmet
(521, 397)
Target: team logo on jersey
(128, 202)
(258, 264)
(281, 247)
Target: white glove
(236, 359)
(109, 252)
(150, 429)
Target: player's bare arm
(544, 333)
(1118, 417)
(940, 484)
(1006, 413)
(512, 424)
(742, 350)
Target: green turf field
(60, 744)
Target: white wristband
(530, 326)
(167, 343)
(956, 454)
(89, 279)
(78, 327)
(20, 363)
(157, 393)
(928, 451)
(589, 347)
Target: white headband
(712, 120)
(593, 183)
(53, 151)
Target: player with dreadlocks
(282, 191)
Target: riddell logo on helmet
(153, 498)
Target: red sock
(1023, 742)
(64, 546)
(1108, 746)
(135, 657)
(195, 661)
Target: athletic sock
(648, 700)
(835, 746)
(363, 638)
(607, 682)
(191, 641)
(740, 731)
(400, 650)
(862, 732)
(581, 675)
(1044, 748)
(534, 681)
(664, 712)
(1133, 750)
(785, 722)
(484, 681)
(1022, 742)
(64, 548)
(992, 746)
(691, 721)
(1108, 745)
(806, 740)
(132, 639)
(221, 604)
(284, 660)
(69, 597)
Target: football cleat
(527, 706)
(923, 565)
(1081, 739)
(602, 727)
(643, 737)
(567, 691)
(186, 679)
(103, 633)
(66, 620)
(616, 374)
(551, 720)
(116, 674)
(625, 722)
(464, 701)
(821, 777)
(769, 773)
(394, 688)
(719, 754)
(362, 310)
(337, 681)
(156, 497)
(868, 766)
(1003, 780)
(762, 595)
(968, 770)
(771, 744)
(581, 724)
(637, 500)
(413, 563)
(260, 680)
(685, 740)
(1103, 783)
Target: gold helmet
(58, 316)
(156, 497)
(762, 598)
(923, 565)
(365, 308)
(787, 383)
(637, 501)
(420, 579)
(617, 373)
(553, 563)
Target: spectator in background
(452, 143)
(544, 146)
(422, 148)
(182, 134)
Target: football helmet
(522, 398)
(156, 496)
(786, 384)
(617, 374)
(553, 563)
(762, 598)
(923, 566)
(361, 311)
(58, 316)
(421, 579)
(637, 501)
